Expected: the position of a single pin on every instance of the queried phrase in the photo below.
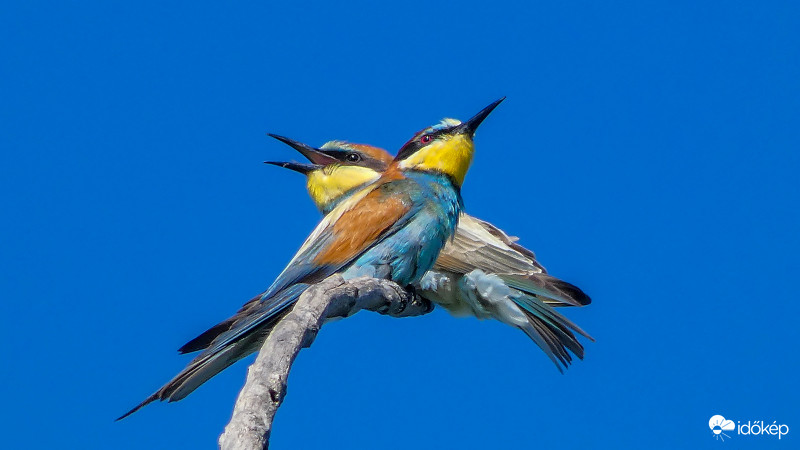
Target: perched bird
(481, 272)
(392, 228)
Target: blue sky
(648, 152)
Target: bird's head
(336, 168)
(445, 148)
(361, 155)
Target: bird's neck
(329, 186)
(451, 156)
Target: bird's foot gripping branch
(263, 392)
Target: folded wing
(482, 246)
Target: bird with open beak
(392, 228)
(480, 272)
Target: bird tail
(549, 289)
(550, 330)
(230, 343)
(205, 338)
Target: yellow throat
(328, 184)
(451, 155)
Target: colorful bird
(481, 272)
(393, 228)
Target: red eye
(426, 138)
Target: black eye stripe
(416, 143)
(341, 155)
(351, 157)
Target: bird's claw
(406, 303)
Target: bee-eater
(481, 272)
(392, 228)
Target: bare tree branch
(263, 392)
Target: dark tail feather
(206, 338)
(553, 329)
(568, 290)
(205, 366)
(550, 289)
(547, 341)
(202, 341)
(148, 400)
(234, 339)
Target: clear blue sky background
(648, 152)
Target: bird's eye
(425, 138)
(353, 157)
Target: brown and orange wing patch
(359, 227)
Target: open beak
(305, 169)
(313, 154)
(471, 125)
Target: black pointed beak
(471, 125)
(305, 169)
(314, 155)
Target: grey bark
(265, 388)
